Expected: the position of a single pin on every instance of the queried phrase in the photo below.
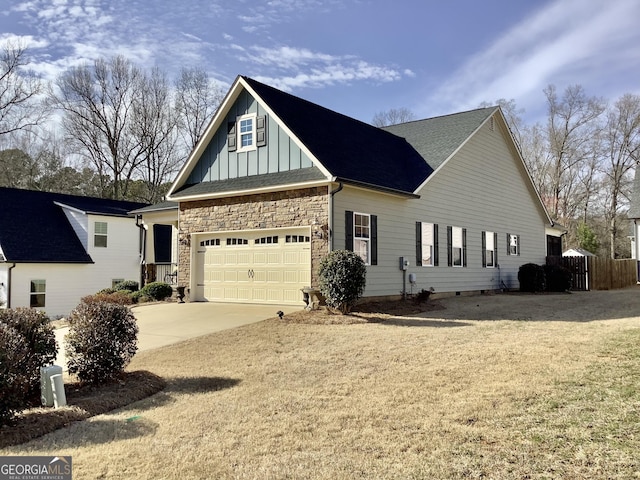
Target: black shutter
(374, 239)
(464, 247)
(508, 244)
(348, 230)
(419, 244)
(261, 131)
(449, 246)
(484, 249)
(231, 137)
(436, 252)
(495, 249)
(518, 248)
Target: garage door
(254, 267)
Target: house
(276, 182)
(634, 217)
(577, 252)
(56, 248)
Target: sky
(357, 57)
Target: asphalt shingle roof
(34, 229)
(349, 149)
(438, 137)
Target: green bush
(14, 381)
(531, 278)
(157, 290)
(342, 279)
(557, 278)
(106, 291)
(37, 331)
(129, 285)
(101, 342)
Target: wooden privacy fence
(593, 273)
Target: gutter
(9, 285)
(143, 247)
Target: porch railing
(161, 272)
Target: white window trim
(367, 239)
(44, 293)
(489, 241)
(453, 246)
(428, 227)
(516, 237)
(239, 133)
(96, 234)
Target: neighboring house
(276, 182)
(577, 252)
(56, 248)
(634, 216)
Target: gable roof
(35, 229)
(437, 138)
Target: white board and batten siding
(67, 283)
(483, 188)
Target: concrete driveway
(163, 324)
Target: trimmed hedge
(14, 381)
(531, 278)
(157, 290)
(558, 278)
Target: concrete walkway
(163, 324)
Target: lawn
(494, 386)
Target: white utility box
(46, 390)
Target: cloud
(567, 42)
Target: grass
(544, 387)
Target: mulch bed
(83, 401)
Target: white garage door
(255, 267)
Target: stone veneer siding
(291, 208)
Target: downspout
(9, 285)
(143, 248)
(331, 195)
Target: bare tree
(97, 102)
(571, 124)
(155, 126)
(197, 99)
(392, 116)
(621, 141)
(19, 88)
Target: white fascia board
(253, 191)
(68, 207)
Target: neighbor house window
(37, 294)
(457, 246)
(489, 249)
(100, 234)
(426, 244)
(513, 244)
(361, 236)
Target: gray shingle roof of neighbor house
(156, 207)
(634, 204)
(34, 228)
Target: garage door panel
(265, 267)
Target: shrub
(14, 382)
(531, 278)
(121, 297)
(342, 279)
(40, 340)
(157, 290)
(129, 285)
(139, 297)
(558, 278)
(101, 341)
(106, 291)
